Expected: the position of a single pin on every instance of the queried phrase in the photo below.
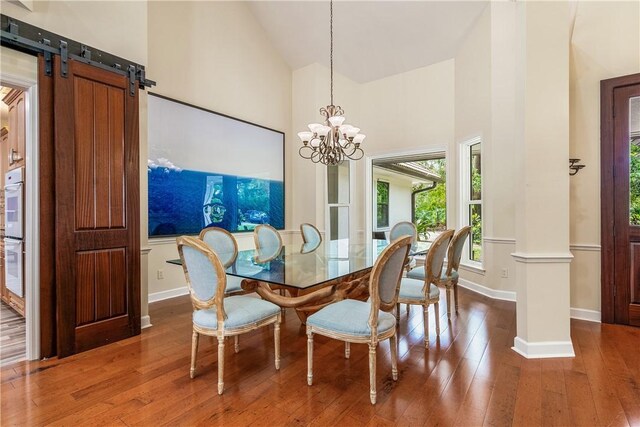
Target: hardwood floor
(13, 334)
(468, 377)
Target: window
(338, 200)
(382, 204)
(471, 192)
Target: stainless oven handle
(17, 185)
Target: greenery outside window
(382, 204)
(471, 191)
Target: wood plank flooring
(12, 335)
(469, 377)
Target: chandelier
(334, 141)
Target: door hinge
(132, 80)
(48, 59)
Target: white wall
(400, 189)
(605, 44)
(216, 55)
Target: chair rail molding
(543, 258)
(500, 240)
(585, 247)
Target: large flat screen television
(206, 169)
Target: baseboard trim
(145, 322)
(543, 349)
(171, 293)
(488, 292)
(586, 314)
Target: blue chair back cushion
(310, 234)
(202, 273)
(222, 244)
(267, 237)
(390, 275)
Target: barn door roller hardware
(33, 40)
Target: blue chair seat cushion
(241, 311)
(233, 284)
(350, 317)
(411, 289)
(418, 273)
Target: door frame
(609, 305)
(32, 211)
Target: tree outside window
(382, 201)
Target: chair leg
(194, 353)
(455, 293)
(394, 357)
(372, 372)
(408, 307)
(397, 313)
(425, 312)
(220, 364)
(448, 291)
(276, 341)
(236, 343)
(436, 306)
(309, 356)
(347, 349)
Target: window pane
(338, 183)
(382, 199)
(634, 161)
(476, 173)
(475, 217)
(339, 221)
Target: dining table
(310, 276)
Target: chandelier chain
(331, 50)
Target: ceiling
(372, 39)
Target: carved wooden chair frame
(453, 264)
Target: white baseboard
(145, 322)
(543, 349)
(171, 293)
(488, 292)
(585, 314)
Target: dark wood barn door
(621, 200)
(96, 208)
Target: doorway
(19, 208)
(620, 198)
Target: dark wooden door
(621, 194)
(96, 208)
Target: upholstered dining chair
(310, 234)
(369, 322)
(425, 292)
(405, 228)
(215, 314)
(449, 278)
(225, 246)
(265, 236)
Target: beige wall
(605, 44)
(400, 188)
(216, 55)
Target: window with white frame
(338, 200)
(471, 195)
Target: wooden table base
(306, 302)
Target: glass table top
(305, 266)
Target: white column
(541, 158)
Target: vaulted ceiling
(372, 39)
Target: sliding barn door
(96, 208)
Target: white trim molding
(586, 314)
(543, 349)
(488, 292)
(145, 322)
(145, 251)
(171, 293)
(585, 247)
(477, 268)
(543, 258)
(500, 240)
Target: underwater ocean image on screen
(183, 201)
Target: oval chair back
(455, 249)
(265, 236)
(310, 234)
(435, 257)
(385, 278)
(404, 228)
(204, 273)
(222, 242)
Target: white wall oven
(14, 231)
